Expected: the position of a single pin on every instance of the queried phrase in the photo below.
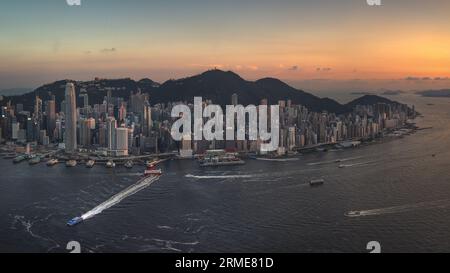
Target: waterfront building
(121, 148)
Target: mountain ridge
(216, 85)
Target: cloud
(412, 78)
(108, 50)
(324, 69)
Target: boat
(353, 214)
(52, 162)
(19, 159)
(35, 160)
(217, 158)
(75, 221)
(152, 171)
(9, 156)
(110, 164)
(129, 164)
(90, 163)
(71, 163)
(316, 182)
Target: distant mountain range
(215, 85)
(15, 91)
(443, 93)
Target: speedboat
(354, 214)
(316, 182)
(90, 164)
(110, 164)
(75, 221)
(71, 163)
(152, 171)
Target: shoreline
(10, 152)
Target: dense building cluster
(119, 128)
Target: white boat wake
(142, 184)
(278, 159)
(335, 161)
(357, 164)
(400, 209)
(217, 176)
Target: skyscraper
(51, 117)
(70, 138)
(111, 125)
(147, 122)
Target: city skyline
(311, 44)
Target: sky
(315, 44)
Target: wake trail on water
(334, 161)
(142, 184)
(217, 176)
(278, 159)
(400, 209)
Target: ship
(9, 156)
(71, 163)
(316, 182)
(35, 160)
(215, 158)
(129, 164)
(152, 171)
(90, 163)
(75, 221)
(110, 164)
(19, 159)
(52, 162)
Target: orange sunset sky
(401, 44)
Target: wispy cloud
(412, 78)
(108, 50)
(324, 69)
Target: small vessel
(9, 156)
(19, 159)
(71, 163)
(129, 164)
(35, 160)
(152, 171)
(110, 164)
(317, 182)
(75, 221)
(342, 166)
(52, 162)
(215, 158)
(90, 163)
(353, 214)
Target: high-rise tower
(70, 138)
